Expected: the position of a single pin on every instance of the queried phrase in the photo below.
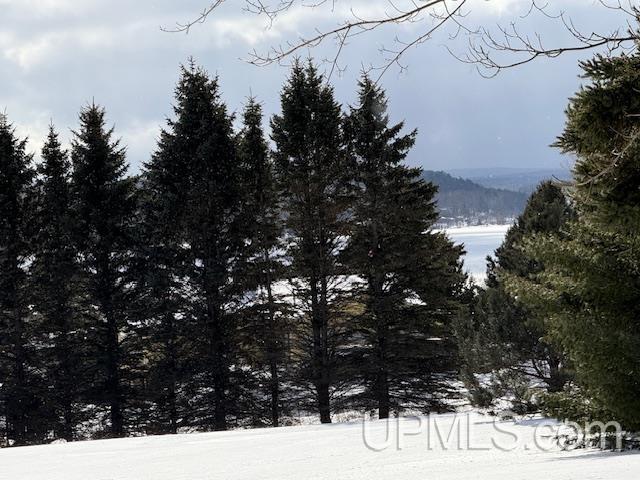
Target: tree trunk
(382, 376)
(66, 397)
(383, 396)
(324, 407)
(273, 350)
(20, 390)
(65, 378)
(106, 280)
(556, 378)
(320, 366)
(275, 393)
(172, 368)
(113, 377)
(218, 363)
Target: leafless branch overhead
(491, 50)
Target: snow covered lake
(442, 447)
(479, 241)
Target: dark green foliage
(572, 404)
(411, 274)
(590, 285)
(265, 322)
(57, 291)
(103, 208)
(164, 258)
(197, 172)
(547, 212)
(227, 286)
(602, 129)
(311, 165)
(502, 334)
(23, 412)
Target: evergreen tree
(590, 284)
(164, 297)
(103, 208)
(411, 275)
(56, 289)
(311, 166)
(22, 408)
(161, 305)
(198, 174)
(502, 335)
(267, 315)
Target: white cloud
(34, 126)
(103, 30)
(60, 53)
(140, 139)
(43, 8)
(29, 52)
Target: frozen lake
(479, 241)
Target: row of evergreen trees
(561, 304)
(228, 284)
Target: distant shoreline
(490, 229)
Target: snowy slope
(327, 452)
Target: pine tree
(161, 303)
(57, 290)
(103, 207)
(197, 173)
(504, 336)
(165, 303)
(547, 212)
(22, 403)
(590, 284)
(266, 318)
(310, 163)
(411, 275)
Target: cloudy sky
(58, 55)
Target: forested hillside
(523, 180)
(463, 201)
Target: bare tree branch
(485, 48)
(490, 50)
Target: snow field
(463, 447)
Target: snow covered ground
(465, 448)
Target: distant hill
(517, 179)
(462, 201)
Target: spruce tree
(23, 407)
(161, 307)
(266, 317)
(103, 207)
(197, 174)
(590, 284)
(547, 212)
(503, 335)
(164, 299)
(313, 178)
(57, 290)
(411, 275)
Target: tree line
(556, 327)
(461, 200)
(232, 282)
(236, 282)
